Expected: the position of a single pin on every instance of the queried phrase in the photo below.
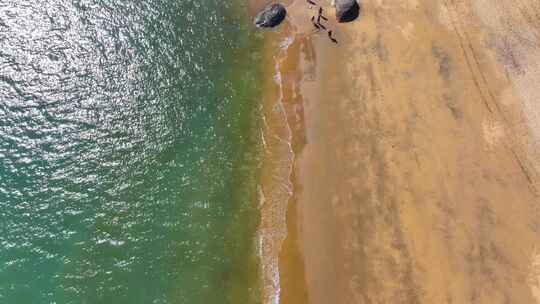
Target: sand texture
(415, 176)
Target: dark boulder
(347, 10)
(271, 16)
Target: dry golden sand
(416, 170)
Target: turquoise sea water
(128, 152)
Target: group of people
(317, 21)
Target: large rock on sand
(271, 16)
(347, 10)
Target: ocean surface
(129, 152)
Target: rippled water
(128, 152)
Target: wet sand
(415, 174)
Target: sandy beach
(414, 150)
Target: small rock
(347, 10)
(271, 16)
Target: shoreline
(410, 173)
(276, 170)
(281, 108)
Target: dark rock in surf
(347, 10)
(271, 16)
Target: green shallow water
(129, 152)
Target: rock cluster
(274, 14)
